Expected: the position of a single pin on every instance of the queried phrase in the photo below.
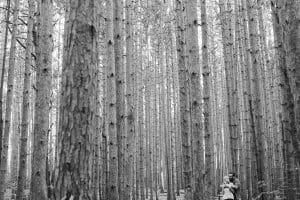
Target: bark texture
(25, 106)
(78, 103)
(111, 124)
(9, 100)
(42, 104)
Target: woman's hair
(226, 178)
(233, 174)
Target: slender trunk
(259, 135)
(227, 39)
(103, 146)
(96, 138)
(120, 88)
(209, 152)
(3, 73)
(113, 191)
(42, 104)
(166, 122)
(244, 156)
(137, 121)
(9, 100)
(130, 117)
(184, 100)
(195, 98)
(25, 106)
(141, 122)
(156, 131)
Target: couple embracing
(230, 187)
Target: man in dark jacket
(236, 184)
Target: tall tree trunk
(25, 106)
(141, 121)
(293, 63)
(184, 100)
(96, 135)
(137, 121)
(166, 121)
(195, 96)
(156, 125)
(3, 73)
(150, 123)
(9, 100)
(292, 42)
(42, 104)
(237, 90)
(244, 156)
(248, 101)
(177, 130)
(209, 150)
(227, 39)
(266, 93)
(104, 136)
(135, 190)
(173, 111)
(78, 103)
(130, 117)
(287, 103)
(120, 88)
(257, 104)
(113, 191)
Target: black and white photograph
(149, 99)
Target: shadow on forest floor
(163, 196)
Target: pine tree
(130, 118)
(287, 102)
(120, 87)
(42, 103)
(3, 72)
(25, 105)
(111, 124)
(78, 103)
(184, 98)
(9, 100)
(259, 135)
(207, 108)
(292, 44)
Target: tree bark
(3, 73)
(120, 88)
(292, 42)
(227, 38)
(184, 99)
(113, 191)
(209, 152)
(25, 106)
(9, 100)
(78, 103)
(42, 104)
(257, 104)
(130, 117)
(288, 133)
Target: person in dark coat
(235, 184)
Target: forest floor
(163, 196)
(181, 197)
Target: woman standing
(227, 189)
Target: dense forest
(149, 99)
